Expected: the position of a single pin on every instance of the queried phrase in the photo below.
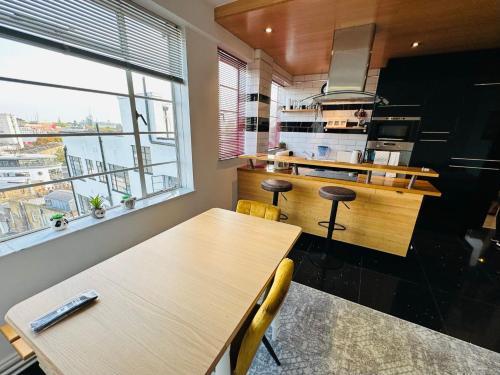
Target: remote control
(63, 311)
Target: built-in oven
(396, 123)
(392, 133)
(394, 128)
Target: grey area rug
(322, 334)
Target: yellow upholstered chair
(259, 209)
(246, 343)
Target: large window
(232, 97)
(274, 127)
(68, 123)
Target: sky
(29, 102)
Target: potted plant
(98, 210)
(58, 222)
(128, 202)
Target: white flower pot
(59, 224)
(98, 213)
(128, 203)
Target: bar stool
(276, 187)
(335, 194)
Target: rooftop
(60, 195)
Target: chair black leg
(269, 348)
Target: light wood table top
(414, 171)
(170, 305)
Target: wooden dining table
(169, 305)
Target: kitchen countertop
(414, 171)
(420, 187)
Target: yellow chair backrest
(264, 316)
(259, 209)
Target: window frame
(100, 170)
(275, 116)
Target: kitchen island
(382, 217)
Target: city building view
(40, 158)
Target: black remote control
(63, 311)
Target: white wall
(25, 273)
(303, 144)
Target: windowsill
(36, 238)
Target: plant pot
(98, 213)
(59, 224)
(128, 203)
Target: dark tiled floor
(444, 283)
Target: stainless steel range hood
(349, 65)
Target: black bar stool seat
(276, 187)
(335, 193)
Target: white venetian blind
(232, 98)
(117, 31)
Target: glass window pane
(27, 62)
(151, 86)
(31, 109)
(164, 178)
(30, 209)
(157, 117)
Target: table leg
(224, 365)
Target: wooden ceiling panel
(302, 36)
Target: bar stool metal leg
(275, 198)
(331, 225)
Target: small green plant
(56, 216)
(96, 202)
(125, 197)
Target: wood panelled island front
(382, 217)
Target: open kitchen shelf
(298, 110)
(346, 127)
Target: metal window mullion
(176, 136)
(69, 179)
(77, 88)
(137, 135)
(55, 135)
(58, 86)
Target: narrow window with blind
(274, 126)
(232, 98)
(83, 83)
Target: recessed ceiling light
(415, 44)
(269, 30)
